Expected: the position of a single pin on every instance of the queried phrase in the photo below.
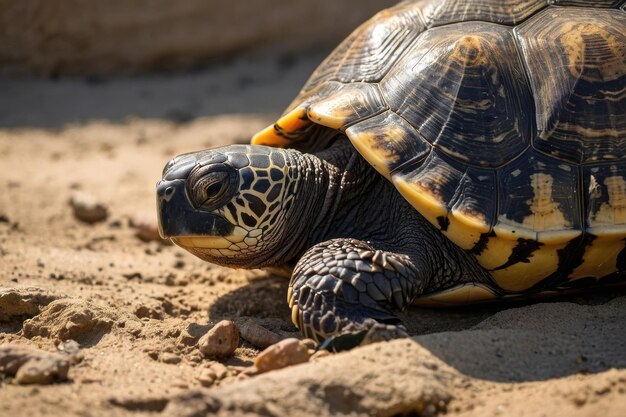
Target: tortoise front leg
(347, 285)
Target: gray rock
(33, 366)
(87, 208)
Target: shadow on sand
(499, 342)
(262, 84)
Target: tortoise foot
(342, 288)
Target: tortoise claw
(344, 341)
(377, 333)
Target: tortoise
(447, 152)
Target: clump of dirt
(70, 319)
(22, 302)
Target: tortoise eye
(210, 187)
(213, 190)
(209, 190)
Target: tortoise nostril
(168, 193)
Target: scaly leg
(346, 285)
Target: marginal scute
(454, 197)
(496, 252)
(604, 191)
(348, 104)
(461, 87)
(507, 12)
(538, 217)
(473, 207)
(387, 141)
(529, 263)
(287, 129)
(462, 294)
(601, 257)
(576, 61)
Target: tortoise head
(227, 205)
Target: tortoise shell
(502, 122)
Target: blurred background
(160, 58)
(77, 37)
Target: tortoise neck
(356, 199)
(327, 192)
(312, 184)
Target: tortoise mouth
(205, 242)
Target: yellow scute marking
(496, 253)
(546, 212)
(368, 145)
(600, 258)
(428, 204)
(523, 275)
(465, 229)
(281, 133)
(612, 212)
(334, 111)
(346, 105)
(577, 36)
(463, 294)
(269, 137)
(469, 51)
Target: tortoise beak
(179, 218)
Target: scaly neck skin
(342, 196)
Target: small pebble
(207, 377)
(87, 208)
(33, 366)
(72, 349)
(170, 358)
(146, 226)
(221, 341)
(220, 370)
(214, 372)
(43, 370)
(282, 354)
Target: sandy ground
(135, 307)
